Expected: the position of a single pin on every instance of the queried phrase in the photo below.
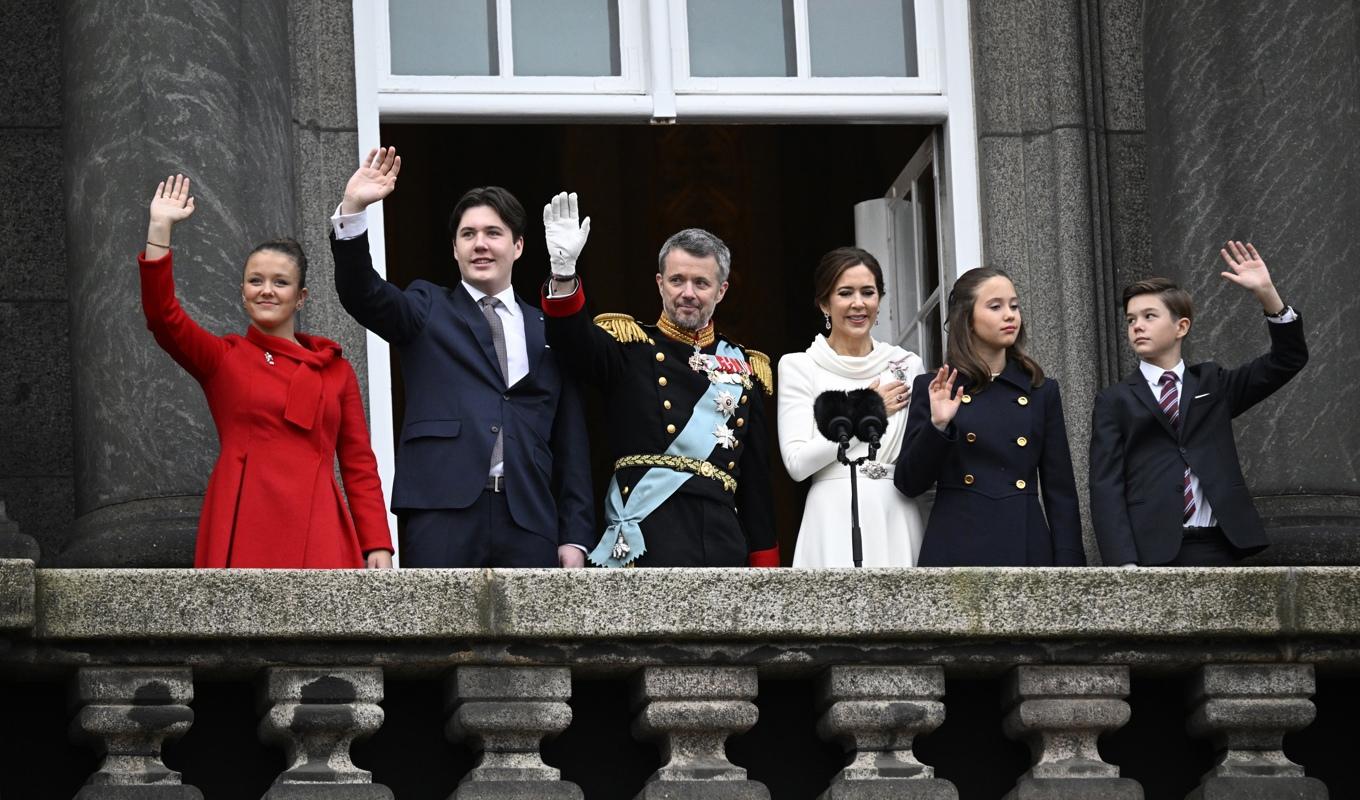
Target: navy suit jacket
(1138, 460)
(457, 400)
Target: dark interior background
(779, 195)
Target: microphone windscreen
(868, 412)
(828, 409)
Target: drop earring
(827, 317)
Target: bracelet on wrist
(157, 244)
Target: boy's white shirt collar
(1153, 373)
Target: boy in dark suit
(493, 467)
(1166, 485)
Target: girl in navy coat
(987, 432)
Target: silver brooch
(898, 368)
(269, 358)
(873, 469)
(725, 436)
(726, 403)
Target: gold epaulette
(760, 367)
(622, 327)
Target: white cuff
(555, 286)
(578, 547)
(1287, 316)
(349, 226)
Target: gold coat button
(1022, 441)
(971, 437)
(968, 480)
(625, 490)
(660, 356)
(661, 381)
(670, 429)
(731, 465)
(1022, 400)
(651, 341)
(740, 422)
(966, 399)
(743, 399)
(666, 404)
(1020, 484)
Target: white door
(902, 230)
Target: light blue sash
(658, 484)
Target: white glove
(565, 233)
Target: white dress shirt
(1204, 515)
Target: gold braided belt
(694, 466)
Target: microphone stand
(856, 540)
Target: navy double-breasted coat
(1006, 447)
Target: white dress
(890, 522)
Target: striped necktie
(489, 305)
(1171, 407)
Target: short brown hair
(834, 264)
(1176, 299)
(495, 198)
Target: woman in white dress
(849, 286)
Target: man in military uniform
(691, 484)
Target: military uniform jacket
(1005, 447)
(650, 390)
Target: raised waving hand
(944, 402)
(1247, 269)
(170, 204)
(374, 180)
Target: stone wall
(35, 351)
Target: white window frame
(926, 82)
(380, 96)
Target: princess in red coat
(284, 404)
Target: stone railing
(695, 646)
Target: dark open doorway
(779, 195)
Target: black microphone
(869, 414)
(831, 410)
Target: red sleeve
(359, 470)
(566, 305)
(193, 348)
(764, 558)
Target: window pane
(443, 37)
(741, 38)
(553, 37)
(877, 39)
(932, 345)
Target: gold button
(660, 356)
(1020, 484)
(968, 480)
(736, 444)
(1022, 400)
(966, 399)
(1022, 441)
(740, 422)
(743, 399)
(666, 404)
(625, 490)
(661, 381)
(972, 437)
(670, 429)
(651, 341)
(731, 465)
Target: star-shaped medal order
(725, 436)
(726, 403)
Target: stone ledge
(708, 604)
(16, 594)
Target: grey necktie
(489, 305)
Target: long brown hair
(962, 352)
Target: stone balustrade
(693, 649)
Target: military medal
(725, 436)
(726, 403)
(721, 369)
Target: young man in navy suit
(493, 467)
(1166, 485)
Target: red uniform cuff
(564, 306)
(764, 558)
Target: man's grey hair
(700, 244)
